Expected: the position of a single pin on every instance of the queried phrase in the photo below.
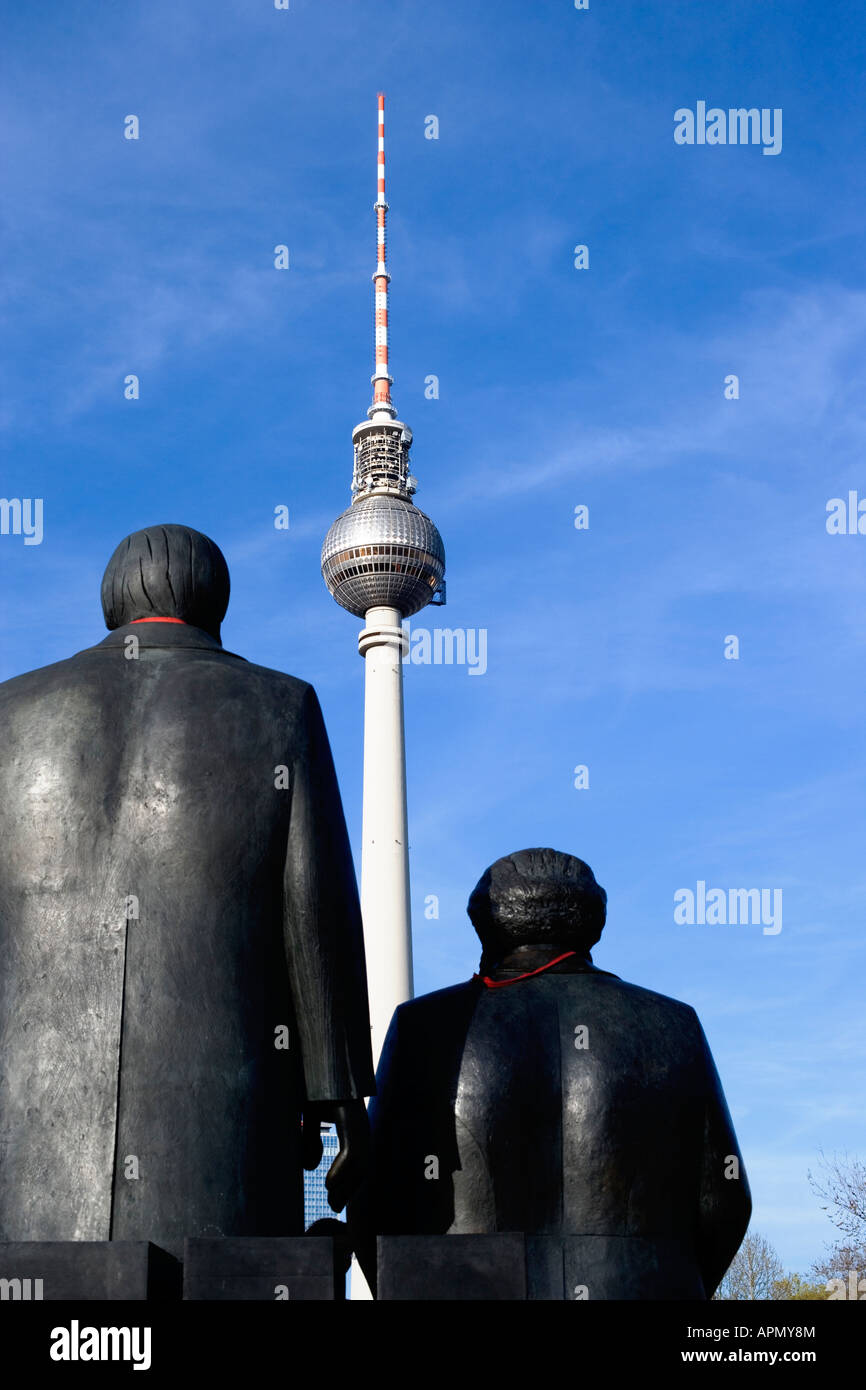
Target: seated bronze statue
(549, 1097)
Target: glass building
(315, 1196)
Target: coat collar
(179, 635)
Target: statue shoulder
(30, 684)
(648, 1000)
(278, 685)
(437, 1009)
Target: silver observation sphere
(383, 553)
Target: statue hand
(349, 1168)
(311, 1142)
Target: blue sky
(558, 387)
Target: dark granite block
(545, 1274)
(489, 1267)
(265, 1269)
(87, 1270)
(631, 1268)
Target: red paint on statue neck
(159, 620)
(515, 979)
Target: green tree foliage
(795, 1289)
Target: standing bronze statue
(550, 1098)
(181, 957)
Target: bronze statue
(181, 958)
(551, 1098)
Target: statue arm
(725, 1199)
(325, 952)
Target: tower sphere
(382, 552)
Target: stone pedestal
(538, 1268)
(265, 1269)
(87, 1271)
(424, 1268)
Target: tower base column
(385, 905)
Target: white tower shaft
(385, 904)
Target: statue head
(537, 897)
(167, 572)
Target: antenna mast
(381, 379)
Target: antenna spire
(381, 379)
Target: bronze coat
(165, 907)
(620, 1148)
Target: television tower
(383, 560)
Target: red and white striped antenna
(381, 379)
